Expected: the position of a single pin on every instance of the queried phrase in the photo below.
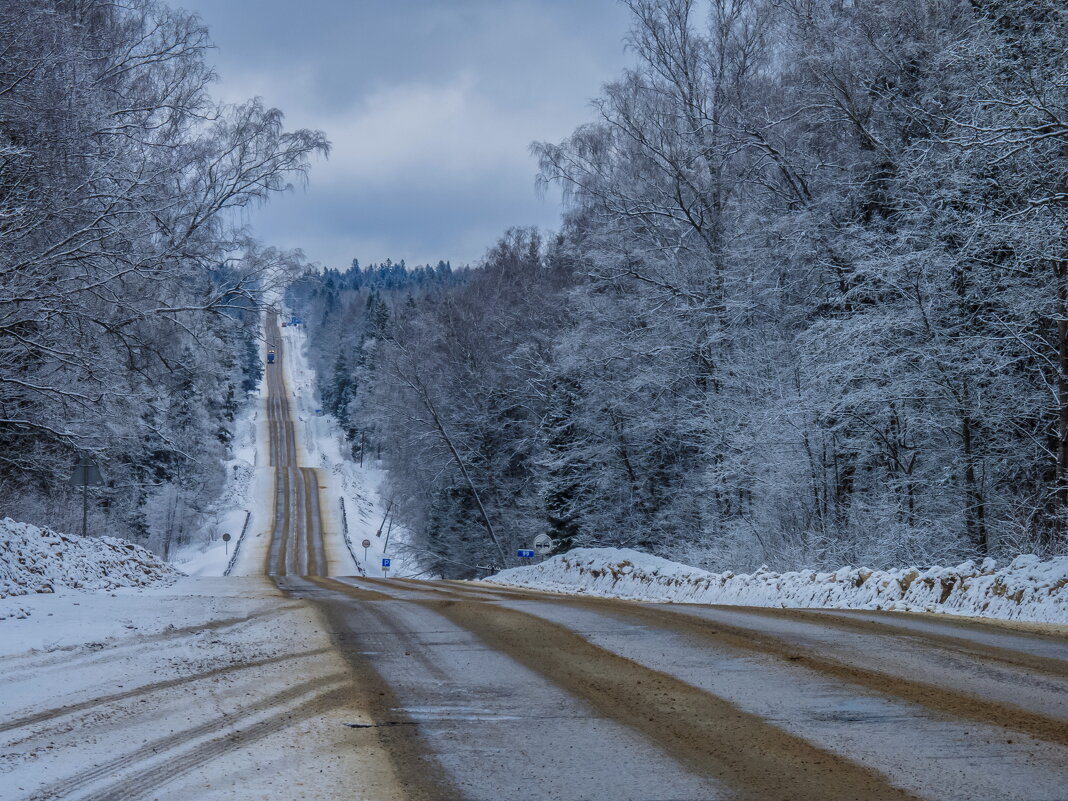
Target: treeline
(129, 302)
(808, 306)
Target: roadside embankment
(1026, 589)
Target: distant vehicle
(296, 321)
(270, 357)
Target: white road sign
(544, 544)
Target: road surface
(296, 538)
(295, 685)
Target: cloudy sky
(431, 106)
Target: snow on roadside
(210, 555)
(352, 487)
(1027, 589)
(39, 560)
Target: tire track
(102, 652)
(145, 689)
(418, 771)
(398, 630)
(145, 781)
(64, 788)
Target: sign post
(86, 473)
(385, 566)
(226, 541)
(366, 544)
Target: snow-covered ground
(211, 688)
(38, 560)
(1027, 589)
(244, 472)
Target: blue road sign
(525, 554)
(385, 562)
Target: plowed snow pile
(1027, 589)
(36, 559)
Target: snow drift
(1027, 589)
(36, 559)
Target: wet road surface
(493, 693)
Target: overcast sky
(431, 106)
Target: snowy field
(1028, 589)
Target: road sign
(86, 474)
(226, 537)
(226, 543)
(544, 544)
(525, 554)
(385, 563)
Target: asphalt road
(478, 692)
(296, 537)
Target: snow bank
(1027, 589)
(36, 559)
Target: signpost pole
(85, 500)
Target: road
(296, 538)
(490, 693)
(297, 685)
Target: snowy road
(296, 539)
(294, 687)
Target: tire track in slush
(146, 689)
(83, 780)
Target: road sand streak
(708, 735)
(947, 642)
(969, 706)
(947, 701)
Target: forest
(807, 306)
(130, 296)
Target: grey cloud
(431, 107)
